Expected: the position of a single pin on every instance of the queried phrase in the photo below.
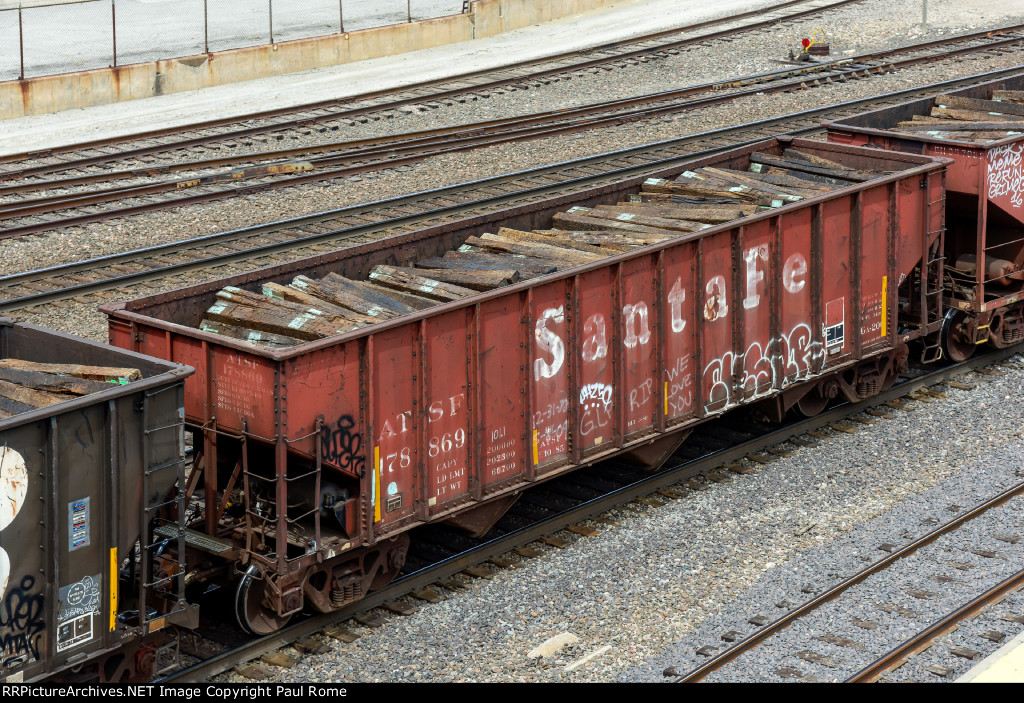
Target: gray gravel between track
(818, 569)
(644, 585)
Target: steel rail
(348, 147)
(443, 146)
(451, 211)
(428, 143)
(776, 626)
(393, 143)
(922, 639)
(320, 105)
(453, 565)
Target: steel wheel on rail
(252, 611)
(812, 403)
(958, 335)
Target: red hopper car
(313, 463)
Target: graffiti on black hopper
(21, 623)
(340, 446)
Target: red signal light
(805, 42)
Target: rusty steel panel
(640, 333)
(799, 337)
(679, 320)
(876, 233)
(911, 204)
(595, 375)
(549, 379)
(398, 422)
(755, 326)
(71, 501)
(501, 429)
(472, 400)
(327, 380)
(718, 355)
(448, 433)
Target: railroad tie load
(970, 119)
(27, 385)
(285, 314)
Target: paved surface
(147, 30)
(632, 18)
(1005, 665)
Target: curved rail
(923, 639)
(372, 154)
(310, 113)
(776, 626)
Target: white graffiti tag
(1005, 176)
(595, 407)
(763, 369)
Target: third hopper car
(983, 255)
(315, 462)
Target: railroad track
(325, 116)
(897, 656)
(176, 264)
(648, 491)
(900, 654)
(33, 205)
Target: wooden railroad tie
(340, 633)
(26, 385)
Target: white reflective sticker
(13, 485)
(5, 571)
(299, 321)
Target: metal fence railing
(45, 37)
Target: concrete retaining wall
(66, 91)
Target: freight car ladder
(266, 510)
(932, 309)
(162, 591)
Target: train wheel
(957, 338)
(253, 614)
(812, 403)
